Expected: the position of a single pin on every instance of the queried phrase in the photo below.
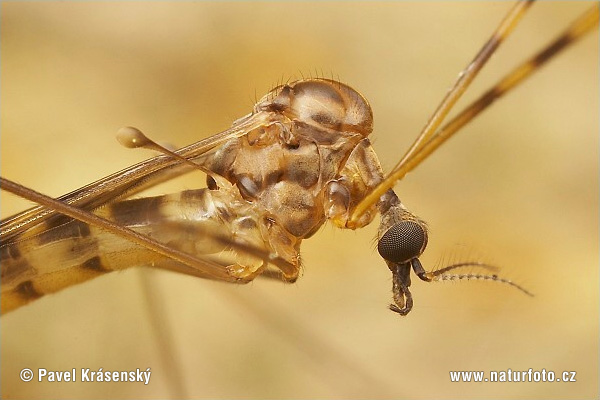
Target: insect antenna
(452, 267)
(442, 275)
(470, 277)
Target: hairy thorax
(310, 163)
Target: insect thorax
(300, 168)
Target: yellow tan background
(518, 188)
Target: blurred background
(518, 188)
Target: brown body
(307, 161)
(274, 178)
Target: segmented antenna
(495, 278)
(441, 275)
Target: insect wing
(128, 181)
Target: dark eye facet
(403, 242)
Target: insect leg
(584, 24)
(189, 263)
(454, 94)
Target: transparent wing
(21, 276)
(129, 181)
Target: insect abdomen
(57, 258)
(74, 252)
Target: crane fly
(504, 184)
(301, 158)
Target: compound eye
(403, 242)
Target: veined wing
(128, 181)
